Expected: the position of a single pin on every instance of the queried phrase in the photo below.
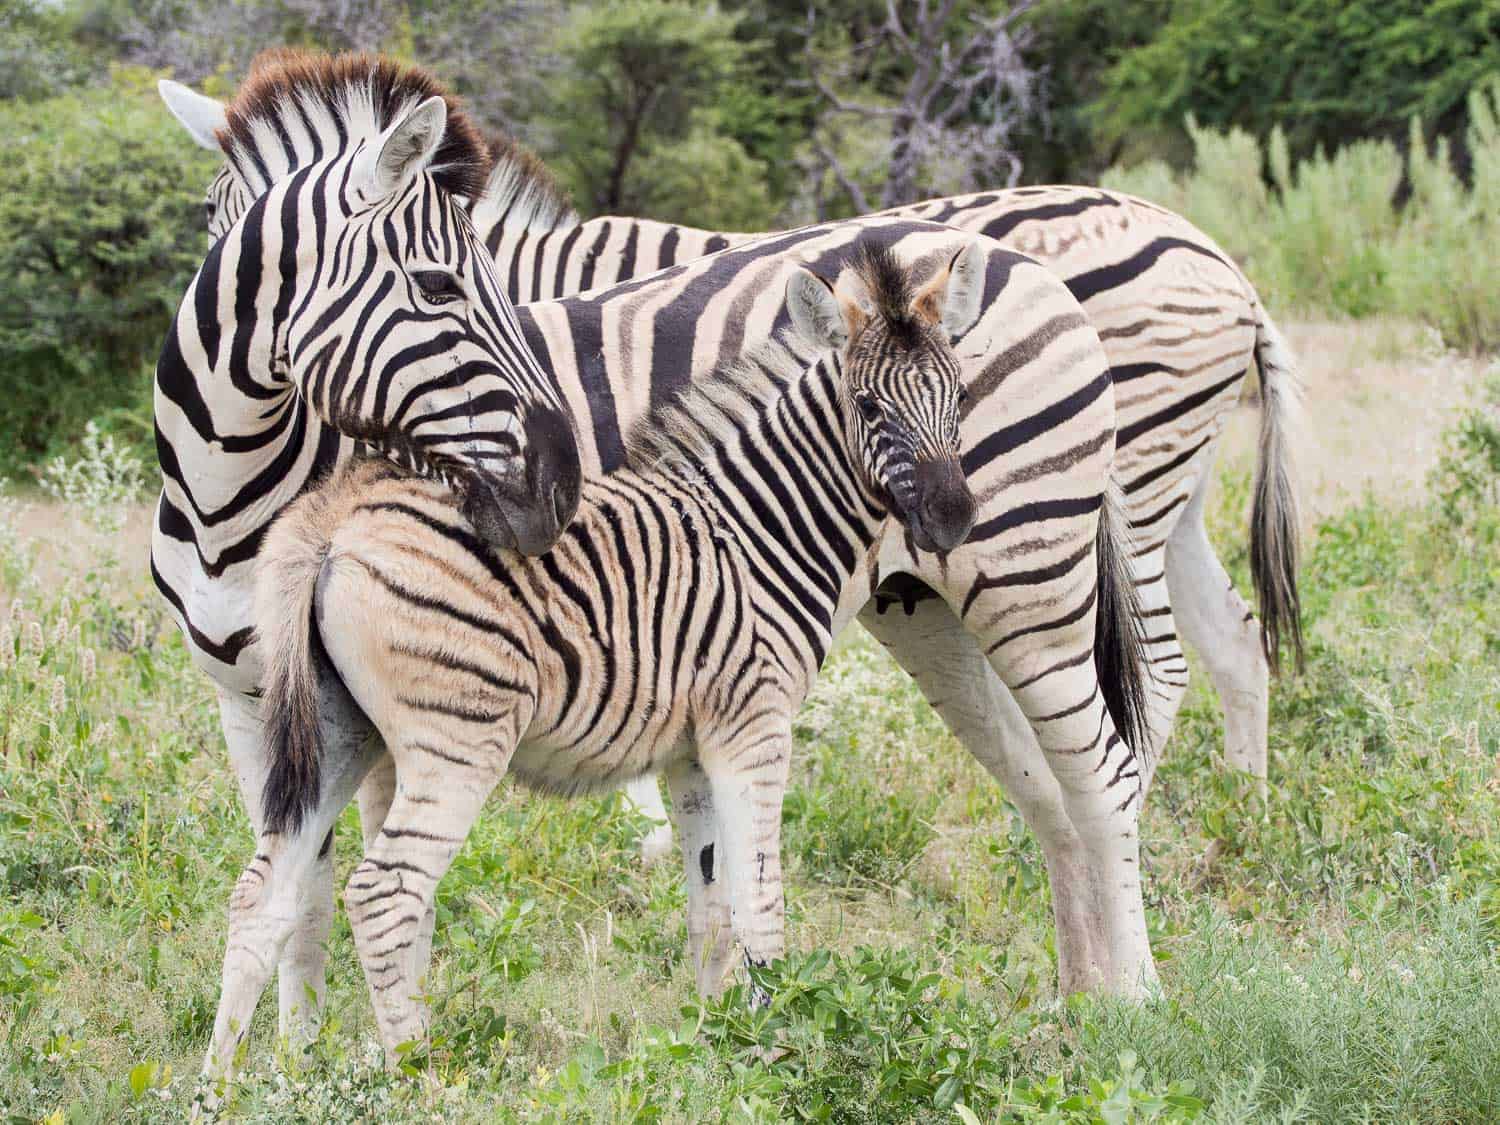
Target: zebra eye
(438, 286)
(869, 409)
(963, 395)
(209, 210)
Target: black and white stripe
(350, 305)
(1038, 433)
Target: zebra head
(387, 315)
(900, 381)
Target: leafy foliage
(1325, 71)
(100, 230)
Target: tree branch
(834, 165)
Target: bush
(1324, 69)
(1329, 235)
(100, 231)
(656, 91)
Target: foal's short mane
(521, 193)
(892, 290)
(695, 425)
(339, 99)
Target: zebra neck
(784, 489)
(235, 441)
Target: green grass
(1328, 957)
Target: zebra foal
(665, 631)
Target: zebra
(1038, 423)
(676, 627)
(351, 306)
(1181, 325)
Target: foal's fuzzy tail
(1274, 544)
(286, 584)
(1119, 652)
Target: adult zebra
(1038, 386)
(322, 321)
(1181, 325)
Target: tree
(960, 92)
(646, 85)
(1327, 71)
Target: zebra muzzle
(529, 512)
(940, 513)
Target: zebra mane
(521, 192)
(298, 106)
(889, 285)
(697, 424)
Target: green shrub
(100, 231)
(1324, 69)
(1328, 234)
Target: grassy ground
(1330, 956)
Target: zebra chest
(214, 611)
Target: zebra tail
(1119, 650)
(291, 560)
(1274, 536)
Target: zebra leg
(1168, 665)
(1050, 669)
(1224, 633)
(304, 955)
(949, 667)
(393, 889)
(645, 795)
(375, 797)
(710, 938)
(1100, 778)
(269, 902)
(747, 773)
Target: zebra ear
(954, 297)
(816, 313)
(403, 150)
(200, 115)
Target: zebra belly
(598, 762)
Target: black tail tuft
(294, 779)
(1119, 653)
(286, 582)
